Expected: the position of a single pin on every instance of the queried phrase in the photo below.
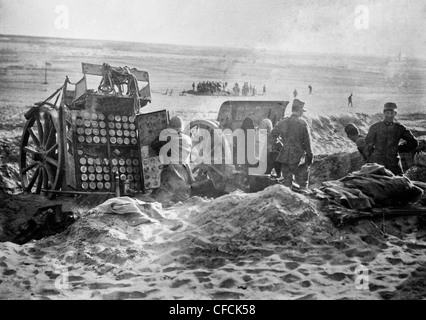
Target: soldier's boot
(287, 180)
(302, 176)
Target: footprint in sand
(9, 272)
(49, 292)
(374, 287)
(222, 295)
(308, 297)
(305, 272)
(394, 261)
(305, 284)
(290, 278)
(202, 276)
(370, 240)
(247, 278)
(125, 276)
(386, 295)
(292, 265)
(171, 269)
(228, 283)
(203, 280)
(179, 283)
(202, 273)
(52, 275)
(103, 286)
(121, 295)
(337, 276)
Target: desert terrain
(271, 245)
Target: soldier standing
(296, 140)
(350, 100)
(383, 140)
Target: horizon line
(275, 50)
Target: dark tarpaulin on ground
(373, 191)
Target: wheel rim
(199, 147)
(41, 158)
(220, 172)
(203, 171)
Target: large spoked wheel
(41, 152)
(207, 162)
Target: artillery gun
(229, 174)
(84, 141)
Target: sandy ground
(270, 245)
(274, 244)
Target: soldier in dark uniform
(296, 140)
(383, 141)
(350, 101)
(353, 134)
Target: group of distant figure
(210, 87)
(247, 89)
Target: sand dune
(268, 245)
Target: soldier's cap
(390, 106)
(298, 105)
(176, 123)
(351, 129)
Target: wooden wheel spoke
(45, 178)
(33, 180)
(52, 161)
(50, 174)
(52, 148)
(30, 150)
(47, 140)
(31, 166)
(33, 135)
(39, 181)
(40, 129)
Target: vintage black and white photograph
(212, 150)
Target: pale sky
(380, 27)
